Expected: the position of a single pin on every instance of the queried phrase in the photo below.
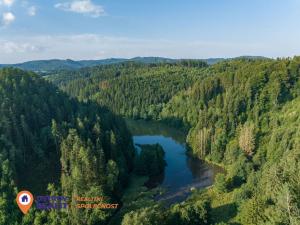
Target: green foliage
(144, 216)
(8, 207)
(46, 137)
(190, 213)
(252, 212)
(131, 89)
(275, 196)
(241, 113)
(238, 95)
(220, 183)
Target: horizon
(101, 29)
(136, 57)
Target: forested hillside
(131, 89)
(245, 118)
(45, 67)
(242, 114)
(47, 138)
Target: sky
(98, 29)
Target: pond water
(182, 172)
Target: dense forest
(241, 114)
(245, 117)
(131, 89)
(52, 144)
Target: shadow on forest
(40, 169)
(224, 213)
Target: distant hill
(46, 66)
(57, 64)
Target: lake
(182, 172)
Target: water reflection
(152, 128)
(182, 172)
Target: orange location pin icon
(24, 201)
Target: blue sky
(96, 29)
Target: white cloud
(94, 46)
(31, 11)
(8, 2)
(83, 7)
(10, 47)
(8, 18)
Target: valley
(183, 173)
(149, 137)
(149, 112)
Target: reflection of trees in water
(154, 181)
(142, 127)
(160, 163)
(198, 167)
(203, 176)
(203, 170)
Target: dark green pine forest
(64, 134)
(79, 149)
